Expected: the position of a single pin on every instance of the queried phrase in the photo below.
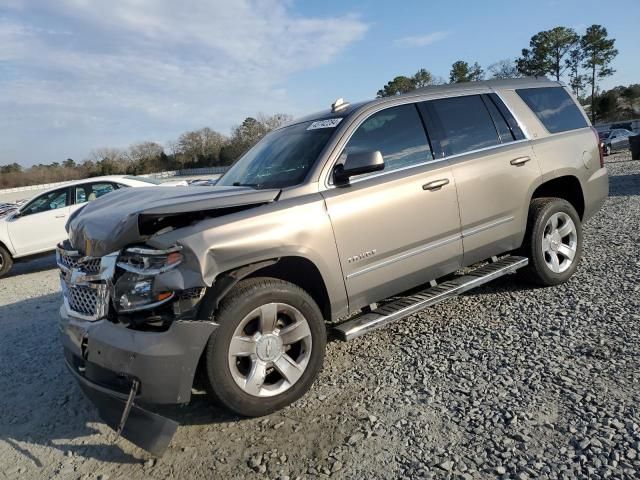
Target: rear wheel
(553, 241)
(6, 262)
(268, 348)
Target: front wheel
(607, 150)
(6, 262)
(268, 349)
(553, 241)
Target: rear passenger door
(494, 168)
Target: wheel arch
(6, 247)
(567, 187)
(295, 269)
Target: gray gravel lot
(506, 381)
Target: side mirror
(358, 164)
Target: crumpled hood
(113, 221)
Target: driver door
(398, 228)
(39, 227)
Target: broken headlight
(134, 290)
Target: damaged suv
(351, 218)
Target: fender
(226, 281)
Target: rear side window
(464, 124)
(397, 133)
(91, 191)
(554, 107)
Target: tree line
(194, 149)
(561, 53)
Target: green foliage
(547, 52)
(397, 86)
(402, 84)
(598, 52)
(619, 103)
(461, 71)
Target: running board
(405, 306)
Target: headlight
(135, 292)
(134, 289)
(146, 261)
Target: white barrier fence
(159, 175)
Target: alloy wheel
(559, 242)
(270, 350)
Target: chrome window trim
(522, 126)
(328, 185)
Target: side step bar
(405, 306)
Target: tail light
(600, 146)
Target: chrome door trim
(402, 256)
(486, 226)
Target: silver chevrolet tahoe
(350, 218)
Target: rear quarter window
(554, 107)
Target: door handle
(60, 216)
(436, 184)
(519, 161)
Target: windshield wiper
(239, 184)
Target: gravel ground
(505, 381)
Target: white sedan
(38, 226)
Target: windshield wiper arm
(239, 184)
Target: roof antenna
(338, 105)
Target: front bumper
(106, 357)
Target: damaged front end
(130, 343)
(131, 325)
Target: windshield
(283, 158)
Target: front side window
(90, 191)
(464, 124)
(397, 133)
(554, 108)
(48, 201)
(283, 158)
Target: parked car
(7, 208)
(37, 226)
(357, 216)
(615, 140)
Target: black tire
(6, 262)
(538, 271)
(246, 296)
(606, 151)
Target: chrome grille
(72, 259)
(90, 301)
(85, 283)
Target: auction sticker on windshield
(328, 123)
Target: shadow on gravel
(43, 406)
(624, 185)
(35, 265)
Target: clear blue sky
(76, 75)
